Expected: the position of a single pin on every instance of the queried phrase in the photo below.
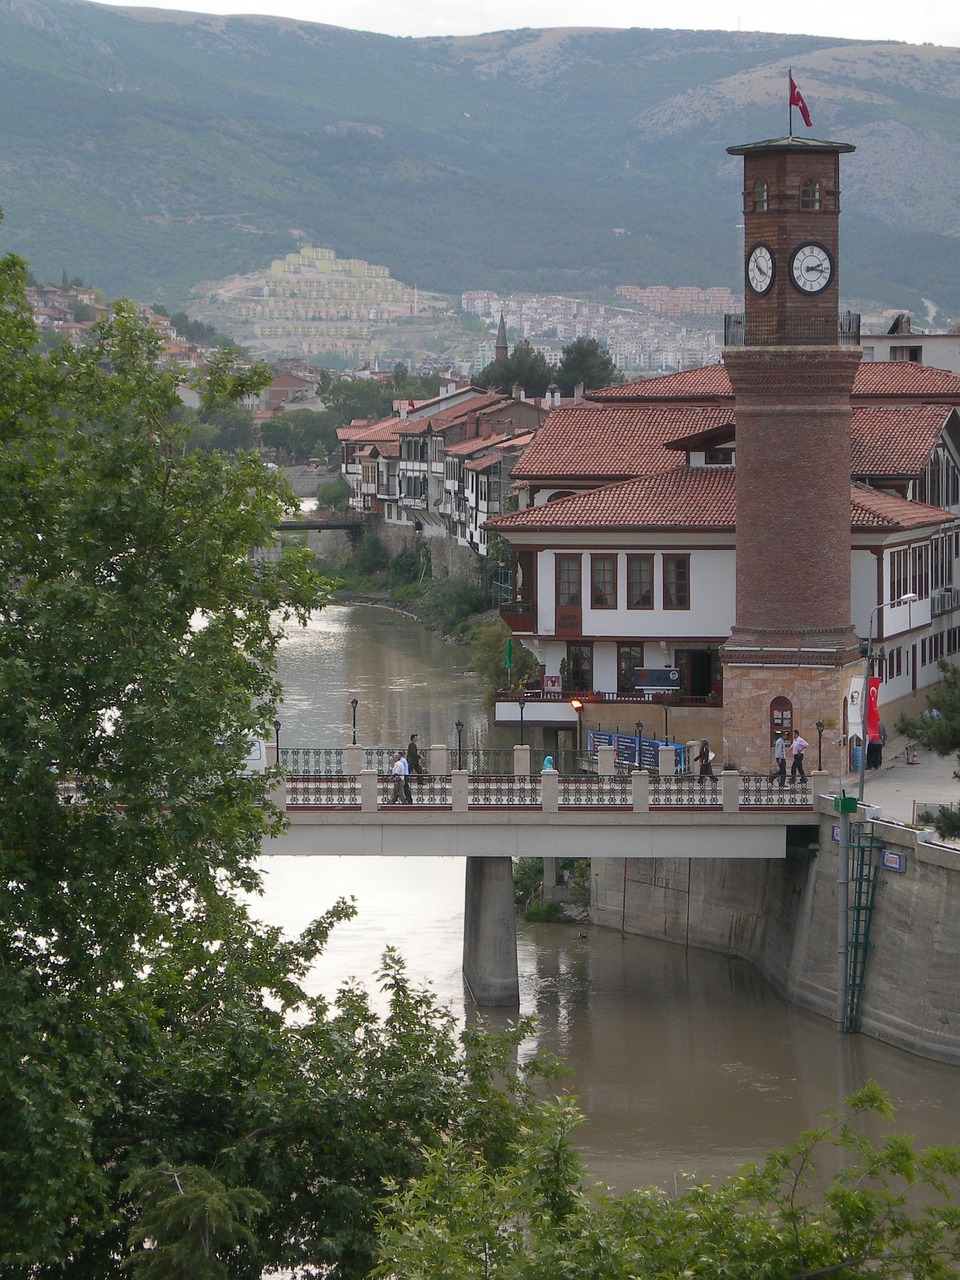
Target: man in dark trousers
(413, 760)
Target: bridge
(352, 521)
(337, 802)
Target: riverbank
(782, 915)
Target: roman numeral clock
(791, 208)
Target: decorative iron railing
(593, 790)
(336, 791)
(685, 791)
(759, 789)
(579, 790)
(433, 790)
(503, 790)
(307, 761)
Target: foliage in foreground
(165, 1076)
(939, 729)
(532, 1218)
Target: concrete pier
(490, 933)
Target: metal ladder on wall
(864, 872)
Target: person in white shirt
(780, 757)
(797, 747)
(399, 772)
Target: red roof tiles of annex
(694, 499)
(590, 442)
(873, 509)
(895, 442)
(684, 498)
(882, 379)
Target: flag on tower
(796, 100)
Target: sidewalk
(901, 789)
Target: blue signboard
(661, 678)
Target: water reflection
(683, 1061)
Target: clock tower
(792, 358)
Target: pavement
(902, 789)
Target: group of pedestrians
(405, 763)
(796, 747)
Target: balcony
(520, 615)
(841, 330)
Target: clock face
(760, 269)
(811, 268)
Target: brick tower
(792, 359)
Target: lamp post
(354, 703)
(459, 728)
(578, 708)
(867, 664)
(820, 726)
(276, 738)
(523, 706)
(639, 728)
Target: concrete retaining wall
(782, 916)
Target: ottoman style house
(720, 542)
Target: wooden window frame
(811, 195)
(561, 561)
(682, 559)
(640, 558)
(607, 566)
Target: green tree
(136, 660)
(147, 1024)
(524, 367)
(887, 1212)
(585, 361)
(939, 729)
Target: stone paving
(902, 789)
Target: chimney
(578, 393)
(472, 425)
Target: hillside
(147, 151)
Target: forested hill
(146, 151)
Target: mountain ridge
(151, 149)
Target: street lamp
(578, 708)
(523, 706)
(639, 728)
(354, 703)
(820, 726)
(276, 738)
(867, 663)
(459, 728)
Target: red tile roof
(444, 419)
(590, 442)
(872, 509)
(886, 379)
(694, 498)
(895, 442)
(684, 498)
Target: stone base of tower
(812, 692)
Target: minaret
(792, 360)
(501, 350)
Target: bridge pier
(490, 932)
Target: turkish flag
(873, 709)
(796, 100)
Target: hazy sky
(934, 21)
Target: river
(683, 1061)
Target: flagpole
(790, 100)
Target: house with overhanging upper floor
(624, 547)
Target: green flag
(508, 659)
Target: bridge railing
(639, 792)
(760, 790)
